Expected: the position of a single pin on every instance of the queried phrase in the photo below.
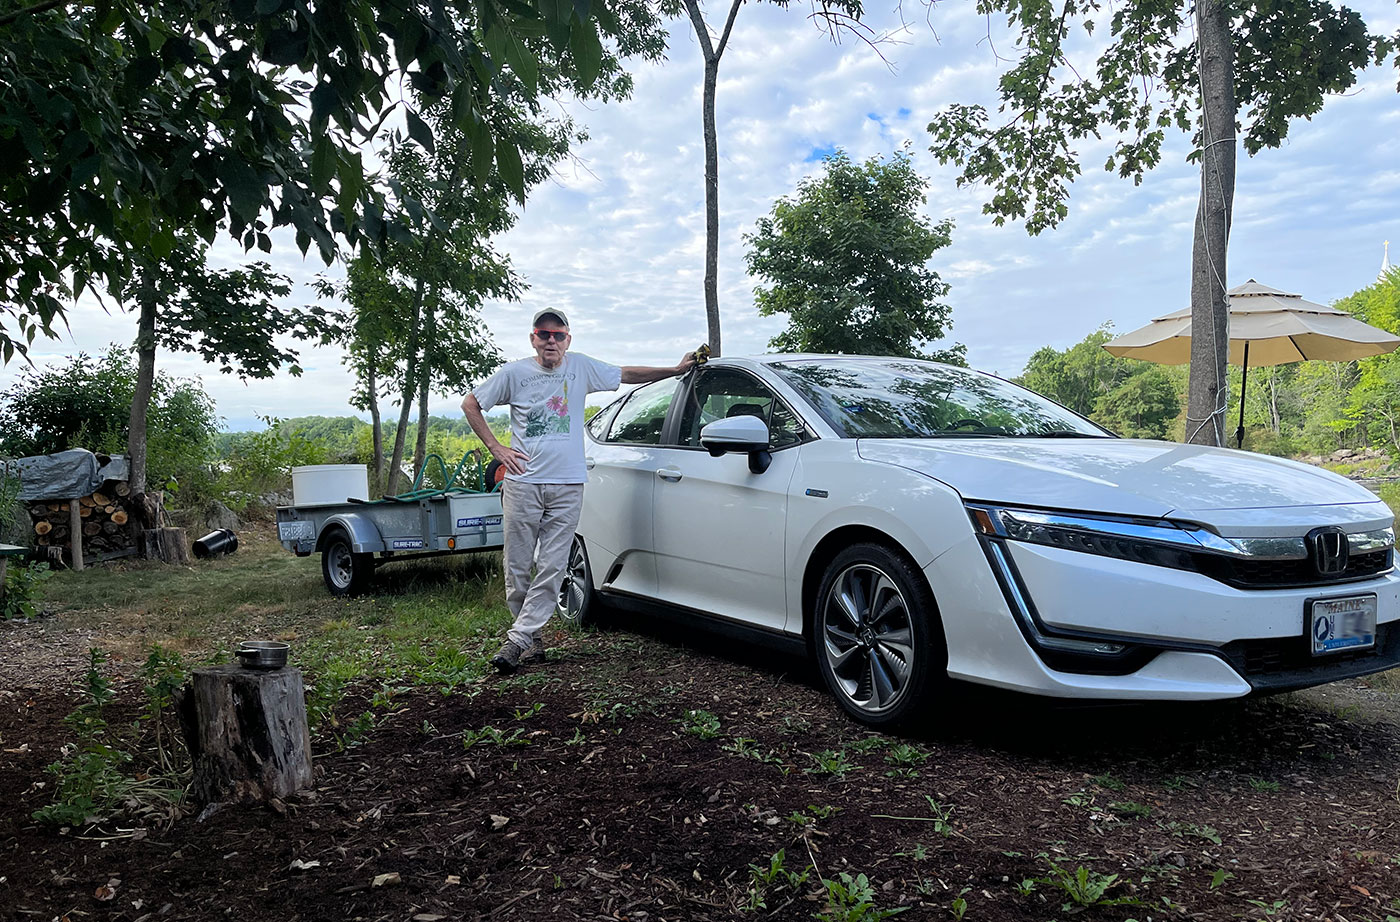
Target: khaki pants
(540, 519)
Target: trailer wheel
(345, 572)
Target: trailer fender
(364, 536)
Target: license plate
(295, 531)
(1338, 625)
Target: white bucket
(321, 484)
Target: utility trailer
(355, 536)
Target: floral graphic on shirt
(552, 418)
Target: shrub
(23, 590)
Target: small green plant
(90, 781)
(1179, 783)
(1269, 909)
(1259, 784)
(1079, 799)
(942, 816)
(1108, 782)
(765, 881)
(491, 735)
(1025, 887)
(1085, 887)
(852, 899)
(959, 907)
(531, 711)
(1192, 830)
(920, 853)
(22, 591)
(825, 811)
(428, 729)
(1218, 878)
(1131, 809)
(701, 724)
(869, 743)
(577, 739)
(161, 677)
(830, 762)
(906, 756)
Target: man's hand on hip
(513, 459)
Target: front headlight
(1162, 543)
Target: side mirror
(746, 434)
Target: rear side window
(642, 417)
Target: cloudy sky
(617, 239)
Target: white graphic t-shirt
(546, 412)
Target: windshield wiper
(1064, 434)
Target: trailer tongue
(461, 515)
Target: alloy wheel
(574, 590)
(867, 637)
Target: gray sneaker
(507, 659)
(536, 652)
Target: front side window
(642, 417)
(722, 393)
(910, 399)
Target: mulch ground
(585, 789)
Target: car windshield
(909, 399)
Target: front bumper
(1188, 637)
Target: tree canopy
(125, 122)
(846, 260)
(1289, 56)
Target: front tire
(877, 637)
(578, 600)
(345, 572)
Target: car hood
(1135, 477)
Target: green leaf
(419, 131)
(246, 191)
(482, 151)
(587, 51)
(511, 168)
(523, 62)
(322, 162)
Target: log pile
(103, 518)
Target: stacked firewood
(103, 517)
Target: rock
(275, 499)
(215, 515)
(1341, 454)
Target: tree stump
(166, 544)
(247, 734)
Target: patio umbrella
(1267, 327)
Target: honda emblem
(1329, 551)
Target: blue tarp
(65, 474)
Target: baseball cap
(550, 312)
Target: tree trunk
(247, 733)
(1208, 396)
(425, 375)
(145, 379)
(410, 385)
(372, 386)
(711, 207)
(712, 54)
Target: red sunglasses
(557, 335)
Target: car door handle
(669, 474)
(589, 463)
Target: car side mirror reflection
(742, 434)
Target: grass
(428, 622)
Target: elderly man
(543, 488)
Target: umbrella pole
(1244, 380)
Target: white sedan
(905, 522)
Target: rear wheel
(577, 600)
(876, 635)
(346, 573)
